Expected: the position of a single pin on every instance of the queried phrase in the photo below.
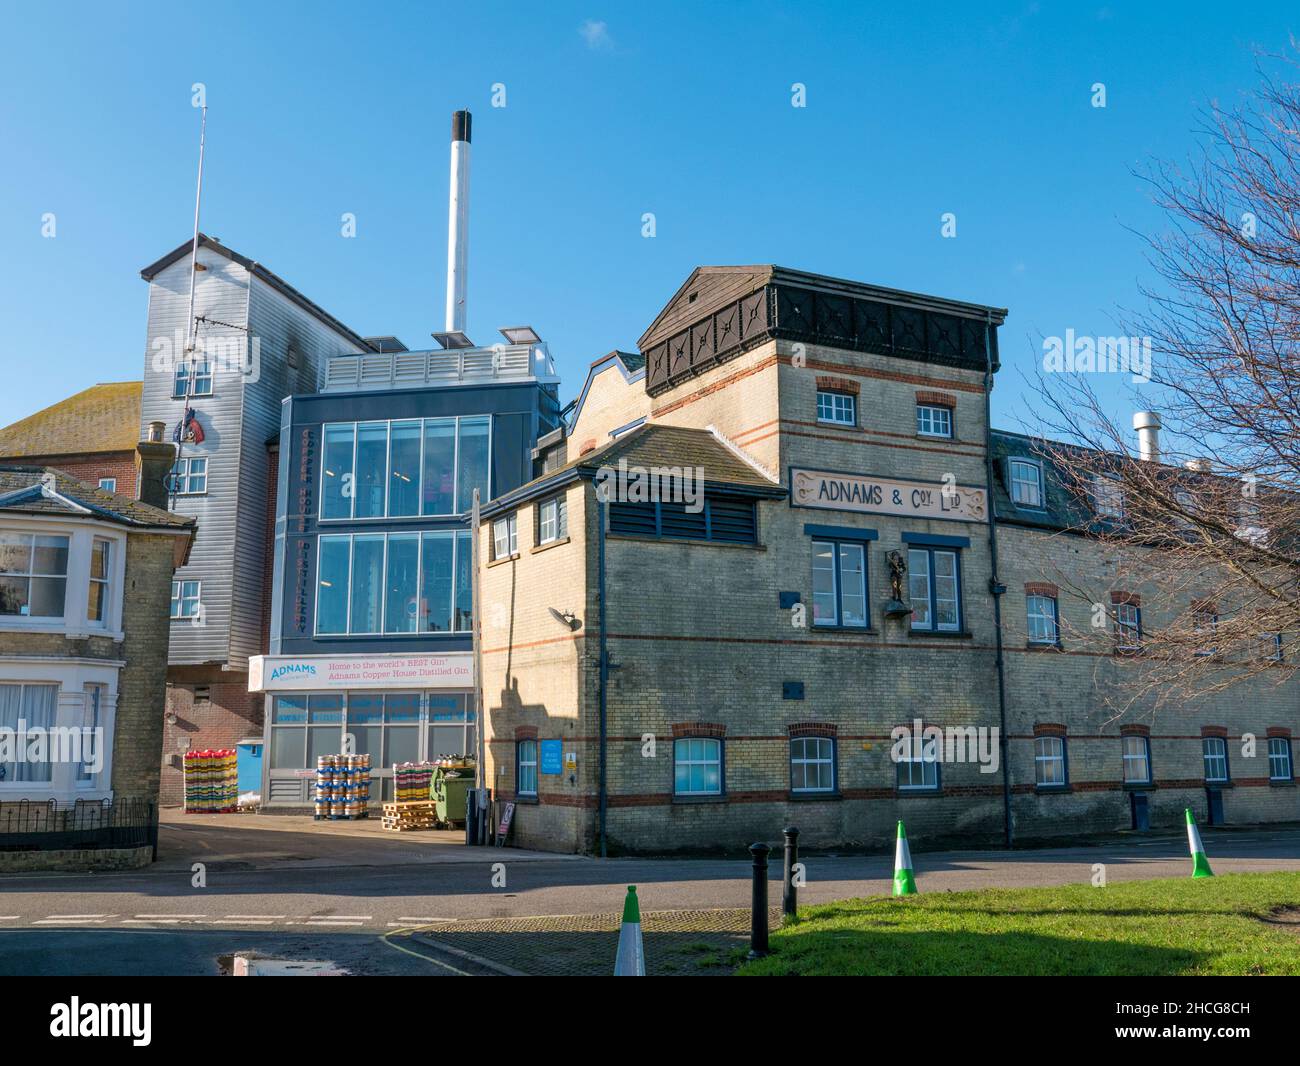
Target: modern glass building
(370, 614)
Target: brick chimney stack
(157, 457)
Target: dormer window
(1026, 480)
(1108, 497)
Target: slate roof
(102, 418)
(656, 445)
(20, 492)
(1062, 508)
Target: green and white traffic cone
(1200, 864)
(904, 882)
(630, 961)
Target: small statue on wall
(897, 606)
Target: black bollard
(789, 893)
(758, 903)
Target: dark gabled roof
(20, 492)
(722, 312)
(256, 268)
(102, 418)
(659, 446)
(716, 286)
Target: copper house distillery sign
(875, 495)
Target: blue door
(1141, 813)
(1215, 798)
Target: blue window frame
(526, 768)
(840, 583)
(934, 584)
(1214, 751)
(1280, 766)
(1136, 752)
(697, 766)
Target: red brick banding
(1041, 588)
(699, 729)
(812, 729)
(939, 399)
(834, 384)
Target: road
(307, 897)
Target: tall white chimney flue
(1147, 424)
(458, 223)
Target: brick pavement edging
(677, 943)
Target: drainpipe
(996, 588)
(604, 662)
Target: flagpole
(191, 329)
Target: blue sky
(612, 110)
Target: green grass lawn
(1230, 924)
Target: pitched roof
(20, 492)
(654, 445)
(102, 418)
(258, 270)
(709, 288)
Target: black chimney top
(460, 122)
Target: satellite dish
(566, 618)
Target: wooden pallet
(405, 825)
(410, 814)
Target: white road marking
(241, 921)
(9, 917)
(257, 917)
(327, 921)
(71, 921)
(77, 916)
(171, 915)
(420, 921)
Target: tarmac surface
(374, 902)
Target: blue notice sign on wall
(552, 756)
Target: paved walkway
(262, 841)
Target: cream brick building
(758, 659)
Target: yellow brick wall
(697, 636)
